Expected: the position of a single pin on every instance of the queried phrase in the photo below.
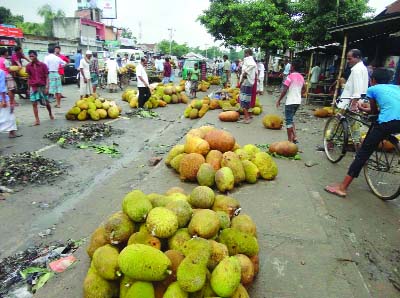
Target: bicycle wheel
(336, 136)
(382, 172)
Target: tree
(127, 33)
(6, 17)
(46, 11)
(176, 49)
(313, 18)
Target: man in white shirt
(85, 82)
(53, 62)
(315, 73)
(142, 82)
(261, 76)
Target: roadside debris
(102, 149)
(88, 132)
(310, 163)
(28, 167)
(154, 161)
(142, 113)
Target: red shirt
(167, 69)
(61, 68)
(16, 57)
(38, 73)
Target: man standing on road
(53, 62)
(261, 76)
(226, 75)
(7, 116)
(167, 71)
(142, 82)
(94, 72)
(10, 82)
(112, 74)
(38, 82)
(315, 73)
(78, 58)
(246, 83)
(61, 71)
(84, 69)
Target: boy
(293, 87)
(388, 98)
(194, 79)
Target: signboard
(127, 41)
(89, 41)
(108, 7)
(8, 42)
(11, 32)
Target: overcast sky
(155, 16)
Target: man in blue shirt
(78, 57)
(387, 97)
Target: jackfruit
(251, 150)
(175, 189)
(204, 109)
(98, 239)
(247, 269)
(189, 166)
(198, 249)
(142, 262)
(224, 179)
(257, 111)
(224, 219)
(118, 228)
(266, 165)
(206, 175)
(177, 241)
(82, 116)
(202, 197)
(214, 158)
(124, 285)
(176, 161)
(113, 112)
(70, 117)
(174, 291)
(218, 252)
(220, 140)
(232, 161)
(239, 242)
(95, 286)
(176, 258)
(94, 115)
(244, 223)
(102, 113)
(136, 205)
(141, 289)
(177, 196)
(162, 222)
(98, 104)
(74, 111)
(106, 105)
(196, 145)
(187, 111)
(225, 278)
(240, 292)
(194, 113)
(196, 132)
(182, 210)
(92, 106)
(273, 121)
(242, 154)
(83, 105)
(251, 171)
(204, 223)
(226, 204)
(158, 200)
(105, 261)
(144, 237)
(191, 276)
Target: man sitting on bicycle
(387, 97)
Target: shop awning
(10, 32)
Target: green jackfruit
(141, 289)
(266, 165)
(174, 291)
(144, 237)
(91, 106)
(175, 189)
(244, 223)
(251, 150)
(204, 223)
(82, 116)
(187, 111)
(242, 154)
(124, 285)
(206, 175)
(158, 200)
(251, 171)
(95, 286)
(182, 210)
(176, 259)
(105, 261)
(162, 222)
(177, 196)
(239, 242)
(102, 113)
(240, 292)
(177, 241)
(136, 205)
(94, 115)
(198, 249)
(176, 161)
(176, 150)
(142, 262)
(191, 276)
(119, 228)
(224, 219)
(194, 113)
(226, 204)
(232, 161)
(74, 111)
(224, 179)
(218, 253)
(98, 104)
(202, 197)
(98, 239)
(225, 278)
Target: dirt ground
(312, 244)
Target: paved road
(312, 244)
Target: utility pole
(170, 40)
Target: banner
(11, 32)
(109, 8)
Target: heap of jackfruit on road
(213, 158)
(174, 245)
(93, 108)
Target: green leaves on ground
(102, 149)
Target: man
(94, 72)
(142, 82)
(112, 74)
(16, 58)
(10, 82)
(125, 60)
(38, 82)
(286, 69)
(61, 71)
(226, 76)
(53, 62)
(167, 71)
(246, 83)
(293, 88)
(315, 73)
(158, 63)
(261, 76)
(78, 57)
(84, 70)
(7, 116)
(387, 97)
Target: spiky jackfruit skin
(266, 165)
(247, 269)
(95, 286)
(242, 154)
(204, 223)
(119, 228)
(142, 262)
(218, 252)
(187, 111)
(191, 275)
(158, 200)
(176, 161)
(244, 223)
(232, 161)
(190, 165)
(273, 121)
(175, 189)
(206, 175)
(214, 158)
(198, 249)
(124, 285)
(182, 210)
(226, 204)
(141, 289)
(224, 179)
(224, 219)
(239, 242)
(195, 144)
(144, 237)
(220, 140)
(105, 261)
(98, 239)
(177, 241)
(240, 292)
(175, 291)
(176, 150)
(202, 197)
(136, 205)
(225, 278)
(251, 150)
(251, 171)
(162, 222)
(194, 113)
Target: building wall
(110, 34)
(68, 28)
(41, 44)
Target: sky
(155, 17)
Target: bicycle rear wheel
(336, 136)
(382, 172)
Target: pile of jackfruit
(173, 245)
(93, 108)
(211, 157)
(197, 108)
(214, 80)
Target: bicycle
(102, 79)
(382, 170)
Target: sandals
(14, 136)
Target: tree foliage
(176, 49)
(127, 33)
(47, 12)
(6, 17)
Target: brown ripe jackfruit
(190, 165)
